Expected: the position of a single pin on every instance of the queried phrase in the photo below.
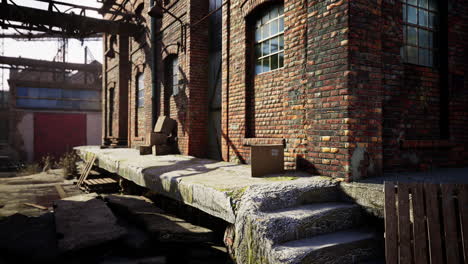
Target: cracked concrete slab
(81, 224)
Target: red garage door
(56, 134)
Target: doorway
(214, 81)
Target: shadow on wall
(181, 101)
(233, 147)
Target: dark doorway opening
(214, 81)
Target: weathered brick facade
(344, 105)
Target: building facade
(50, 112)
(352, 88)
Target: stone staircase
(307, 224)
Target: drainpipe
(154, 98)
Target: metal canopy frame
(66, 23)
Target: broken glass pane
(281, 59)
(274, 61)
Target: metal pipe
(154, 97)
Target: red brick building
(351, 88)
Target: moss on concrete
(281, 178)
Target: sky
(46, 50)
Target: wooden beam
(70, 23)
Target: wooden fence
(426, 223)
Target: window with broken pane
(419, 31)
(269, 39)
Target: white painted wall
(26, 133)
(93, 128)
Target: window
(140, 88)
(172, 75)
(419, 31)
(269, 39)
(56, 98)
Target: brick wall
(414, 130)
(344, 104)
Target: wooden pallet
(100, 185)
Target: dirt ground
(28, 228)
(39, 189)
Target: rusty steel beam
(50, 64)
(47, 36)
(69, 23)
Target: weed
(68, 165)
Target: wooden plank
(91, 182)
(88, 169)
(450, 223)
(463, 211)
(433, 222)
(97, 181)
(404, 224)
(107, 180)
(60, 191)
(419, 225)
(36, 206)
(391, 228)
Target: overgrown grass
(29, 169)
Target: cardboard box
(158, 138)
(266, 159)
(165, 125)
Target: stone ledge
(214, 187)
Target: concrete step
(349, 246)
(276, 196)
(310, 220)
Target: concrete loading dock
(284, 218)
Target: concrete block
(158, 138)
(165, 125)
(162, 150)
(85, 224)
(144, 150)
